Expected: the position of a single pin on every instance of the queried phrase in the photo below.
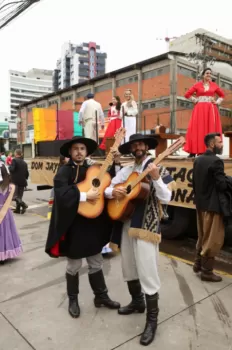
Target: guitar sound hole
(128, 189)
(96, 182)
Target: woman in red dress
(115, 121)
(205, 117)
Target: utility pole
(202, 57)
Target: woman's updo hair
(205, 70)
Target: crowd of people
(76, 237)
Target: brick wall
(183, 84)
(156, 87)
(152, 89)
(104, 98)
(67, 105)
(121, 90)
(151, 118)
(29, 118)
(183, 118)
(227, 103)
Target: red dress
(205, 117)
(114, 125)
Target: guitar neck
(175, 146)
(108, 161)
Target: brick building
(158, 85)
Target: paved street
(33, 303)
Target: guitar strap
(161, 212)
(151, 160)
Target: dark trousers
(18, 195)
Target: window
(104, 87)
(187, 72)
(83, 93)
(225, 85)
(53, 102)
(41, 105)
(30, 127)
(184, 104)
(156, 72)
(225, 112)
(67, 98)
(126, 81)
(156, 104)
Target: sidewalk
(33, 305)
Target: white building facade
(26, 86)
(77, 64)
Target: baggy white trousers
(140, 261)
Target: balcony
(101, 55)
(222, 48)
(80, 51)
(84, 59)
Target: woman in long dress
(205, 117)
(128, 113)
(10, 244)
(115, 121)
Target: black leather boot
(98, 285)
(152, 318)
(24, 207)
(197, 261)
(207, 274)
(73, 291)
(17, 209)
(137, 304)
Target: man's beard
(217, 150)
(79, 160)
(139, 156)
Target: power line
(13, 9)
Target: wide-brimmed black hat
(151, 142)
(90, 144)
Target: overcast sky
(129, 31)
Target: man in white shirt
(89, 115)
(141, 235)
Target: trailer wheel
(177, 224)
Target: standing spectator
(3, 157)
(209, 183)
(9, 159)
(19, 175)
(10, 244)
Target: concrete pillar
(173, 93)
(113, 86)
(139, 117)
(59, 102)
(74, 98)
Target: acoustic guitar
(121, 209)
(98, 177)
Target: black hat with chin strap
(90, 144)
(150, 141)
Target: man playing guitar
(141, 233)
(74, 236)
